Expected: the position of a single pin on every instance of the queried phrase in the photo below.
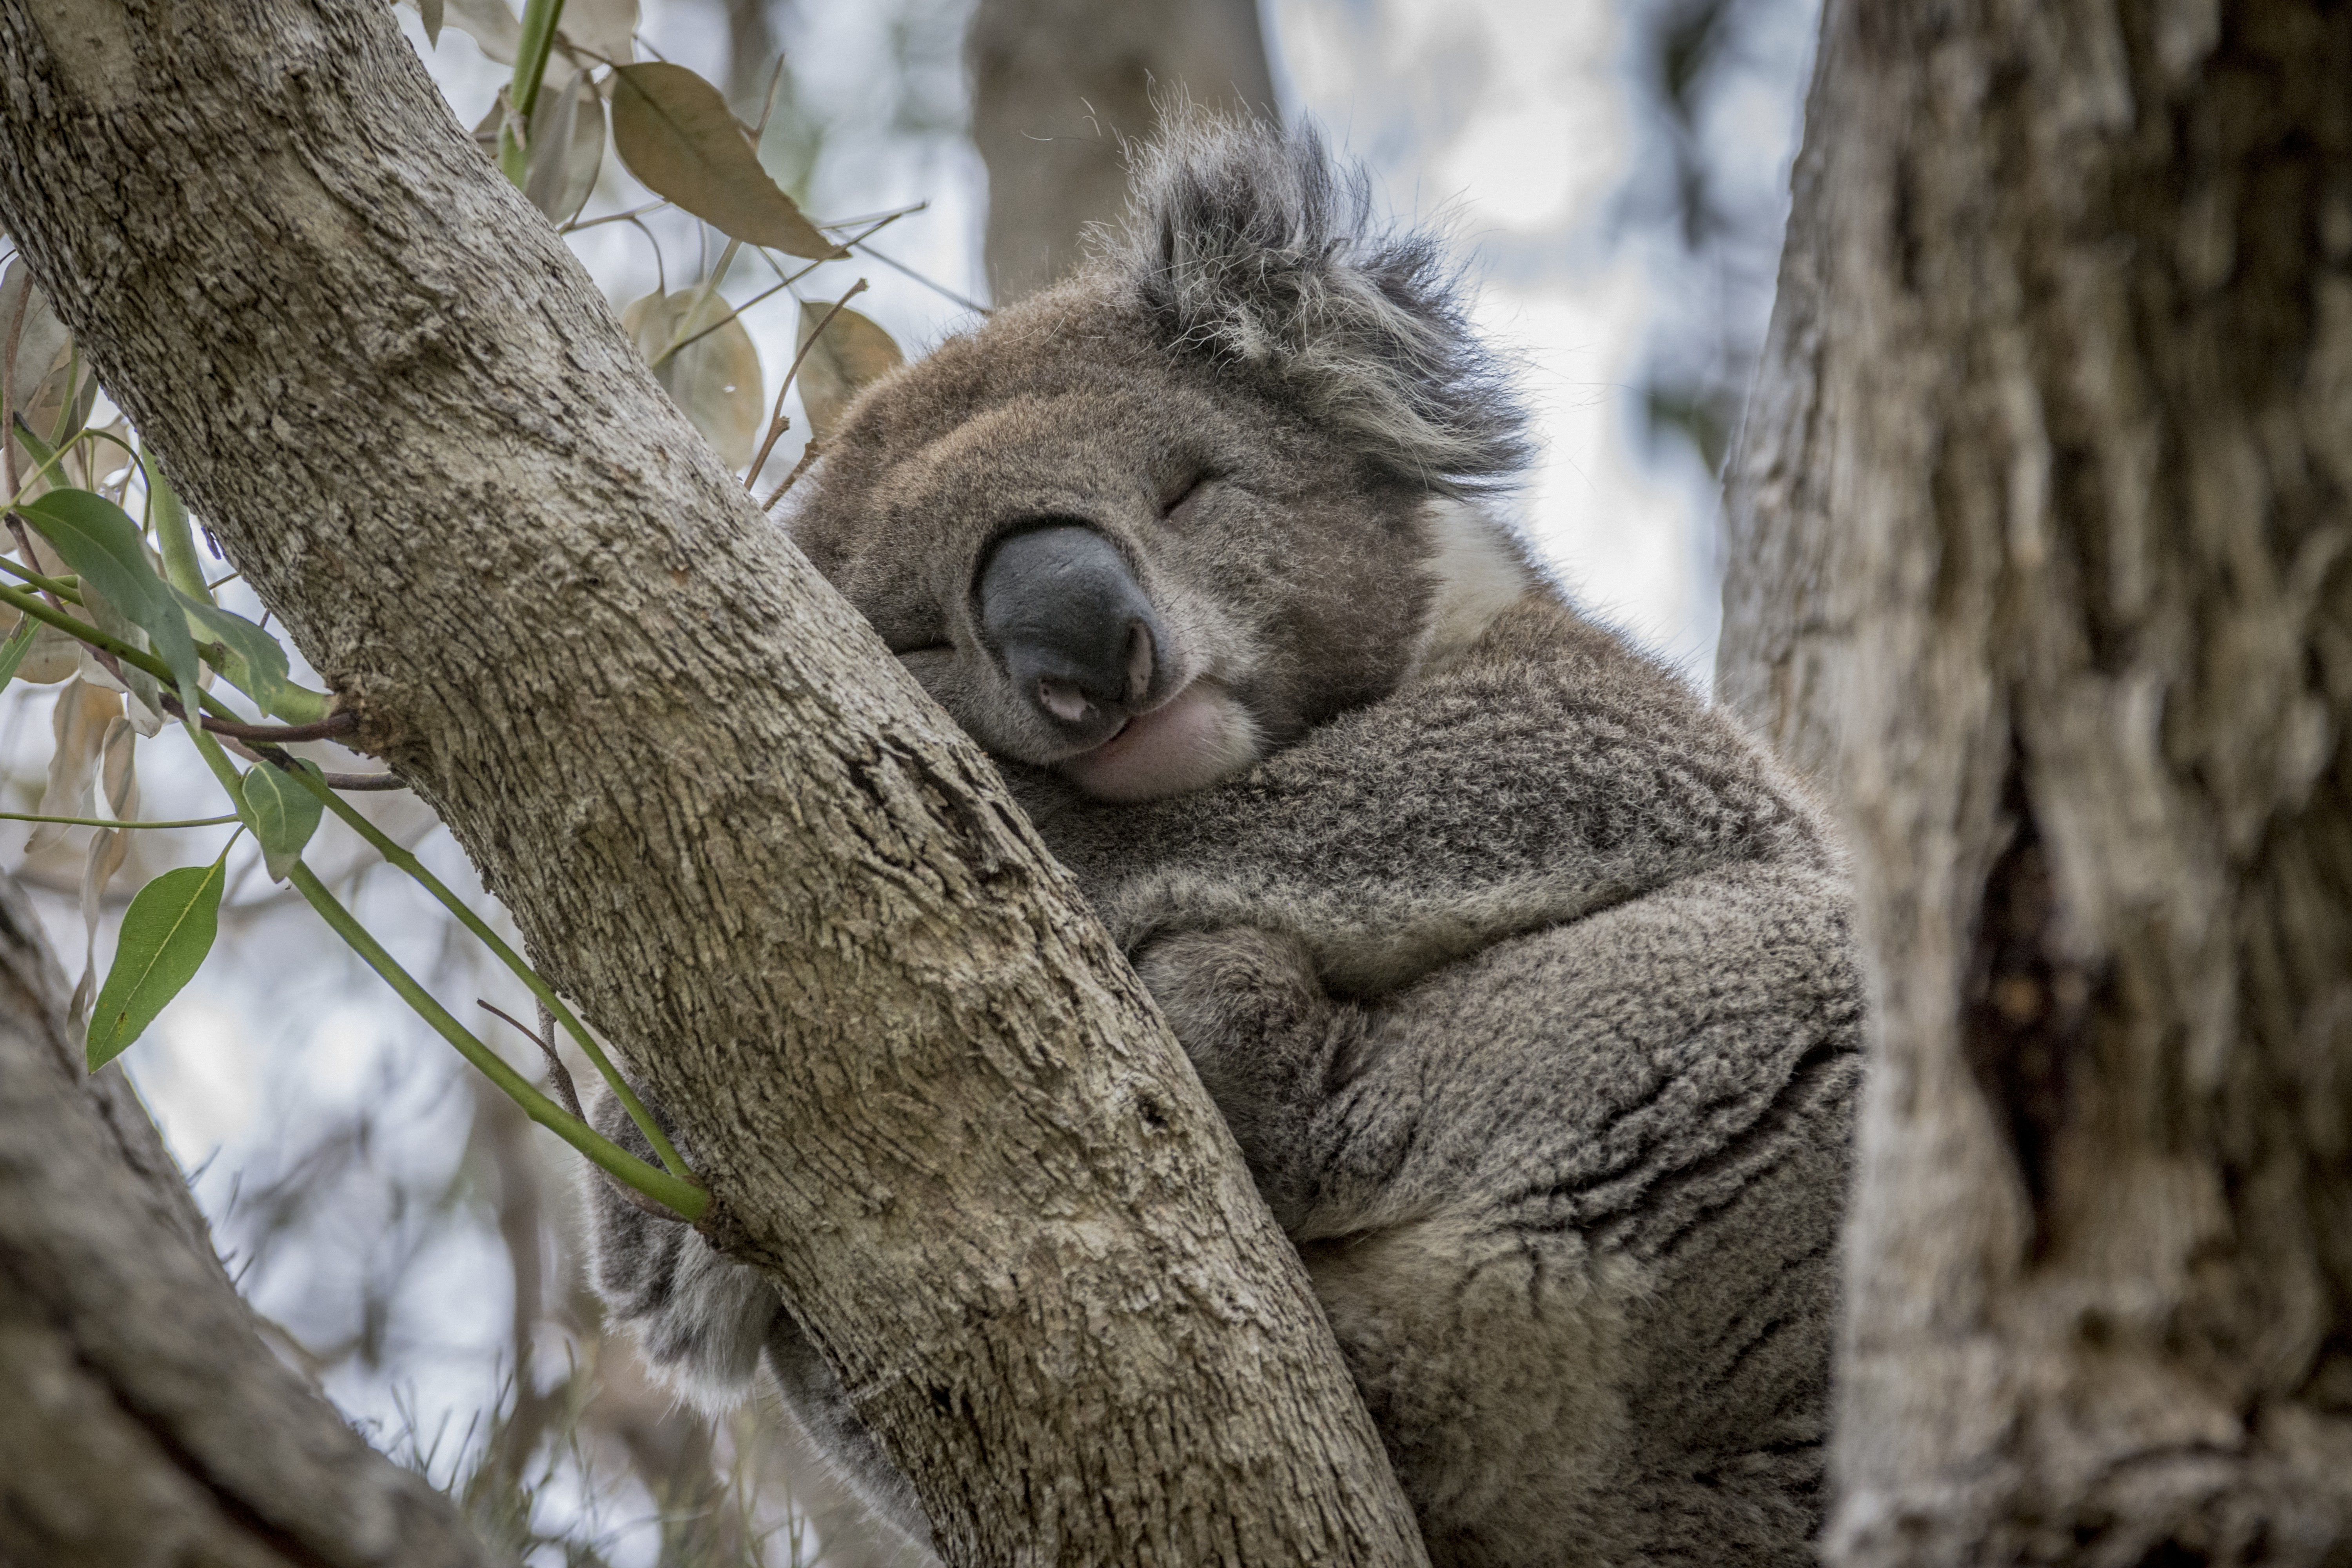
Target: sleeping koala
(1520, 974)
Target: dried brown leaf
(78, 722)
(852, 353)
(676, 133)
(567, 148)
(54, 656)
(491, 24)
(119, 778)
(602, 29)
(431, 11)
(715, 380)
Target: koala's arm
(699, 1320)
(1272, 1047)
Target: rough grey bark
(1060, 87)
(2040, 528)
(143, 1420)
(931, 1101)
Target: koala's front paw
(1248, 1008)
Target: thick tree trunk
(931, 1100)
(1060, 88)
(2040, 559)
(143, 1420)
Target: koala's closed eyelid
(1179, 504)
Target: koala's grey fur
(1521, 975)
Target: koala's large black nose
(1075, 630)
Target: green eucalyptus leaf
(99, 542)
(282, 814)
(256, 664)
(166, 933)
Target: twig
(776, 421)
(808, 455)
(630, 217)
(277, 759)
(559, 1076)
(876, 219)
(559, 1079)
(24, 547)
(342, 721)
(102, 822)
(941, 288)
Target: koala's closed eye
(908, 647)
(1177, 507)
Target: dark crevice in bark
(2026, 1025)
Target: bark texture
(143, 1420)
(2040, 528)
(928, 1097)
(1059, 87)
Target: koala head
(1157, 521)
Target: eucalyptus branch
(386, 846)
(676, 1191)
(104, 822)
(877, 219)
(702, 300)
(940, 288)
(688, 1200)
(808, 455)
(66, 588)
(629, 216)
(176, 539)
(219, 716)
(559, 1076)
(342, 721)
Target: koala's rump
(1579, 1226)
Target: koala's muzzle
(1075, 630)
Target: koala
(1520, 974)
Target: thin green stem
(664, 1187)
(66, 588)
(102, 821)
(390, 848)
(687, 1199)
(539, 22)
(39, 608)
(138, 659)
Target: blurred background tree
(1614, 170)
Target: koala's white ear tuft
(1255, 247)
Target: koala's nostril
(1062, 700)
(1139, 663)
(1078, 636)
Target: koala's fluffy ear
(1254, 246)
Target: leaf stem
(102, 821)
(687, 1199)
(776, 421)
(217, 715)
(66, 588)
(390, 848)
(671, 1186)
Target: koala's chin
(1195, 738)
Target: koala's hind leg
(1269, 1043)
(699, 1320)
